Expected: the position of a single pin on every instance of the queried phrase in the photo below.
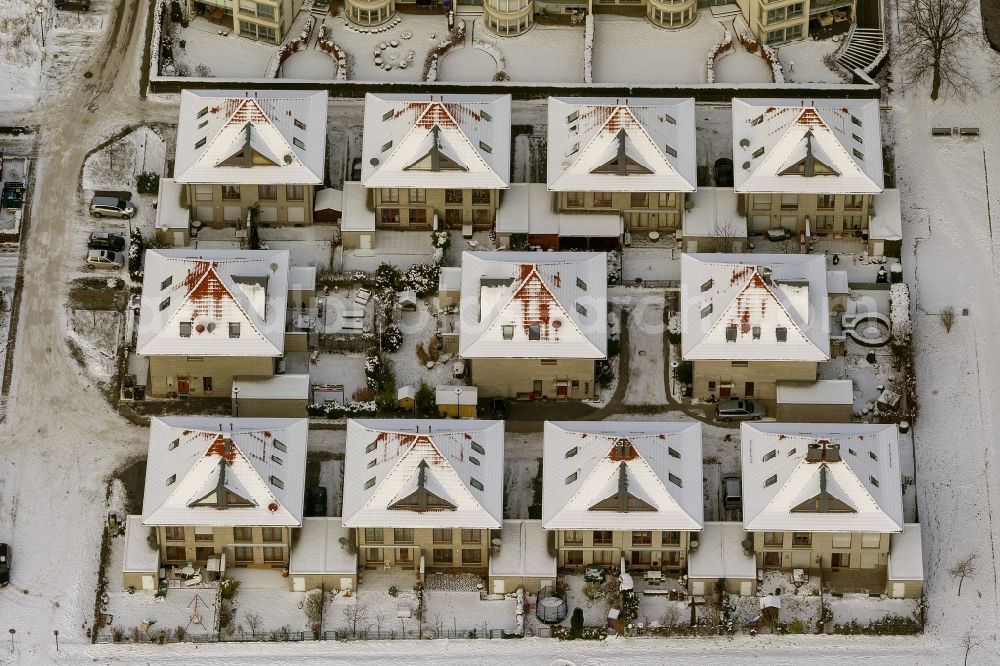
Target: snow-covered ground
(802, 61)
(559, 47)
(465, 612)
(646, 346)
(422, 33)
(419, 327)
(518, 486)
(265, 592)
(206, 53)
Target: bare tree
(930, 32)
(966, 567)
(254, 621)
(968, 642)
(355, 616)
(948, 318)
(722, 238)
(380, 618)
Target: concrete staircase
(865, 48)
(320, 8)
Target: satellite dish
(566, 164)
(274, 267)
(744, 143)
(211, 326)
(374, 161)
(288, 158)
(746, 165)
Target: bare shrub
(947, 318)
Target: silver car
(734, 409)
(105, 259)
(101, 206)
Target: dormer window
(297, 142)
(755, 332)
(234, 329)
(669, 118)
(572, 117)
(581, 309)
(757, 121)
(508, 332)
(731, 333)
(485, 116)
(164, 304)
(185, 329)
(298, 123)
(485, 147)
(781, 334)
(706, 310)
(581, 284)
(387, 115)
(707, 284)
(167, 282)
(670, 151)
(534, 332)
(174, 444)
(277, 483)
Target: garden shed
(280, 396)
(823, 401)
(142, 561)
(457, 401)
(905, 571)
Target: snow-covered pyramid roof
(259, 137)
(423, 473)
(815, 147)
(213, 303)
(219, 472)
(609, 145)
(534, 305)
(436, 141)
(842, 477)
(622, 476)
(754, 307)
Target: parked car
(734, 409)
(105, 259)
(105, 240)
(723, 172)
(732, 493)
(4, 564)
(498, 408)
(317, 501)
(101, 206)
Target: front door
(183, 387)
(562, 390)
(725, 390)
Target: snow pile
(724, 45)
(335, 51)
(588, 50)
(899, 312)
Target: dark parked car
(723, 172)
(105, 240)
(734, 409)
(317, 502)
(498, 408)
(4, 564)
(732, 493)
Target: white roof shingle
(207, 471)
(841, 477)
(609, 145)
(754, 307)
(213, 303)
(534, 305)
(622, 476)
(423, 473)
(436, 141)
(831, 146)
(259, 137)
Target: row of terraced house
(428, 496)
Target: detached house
(619, 489)
(424, 490)
(533, 325)
(749, 321)
(435, 157)
(207, 316)
(229, 491)
(626, 161)
(828, 499)
(261, 152)
(807, 167)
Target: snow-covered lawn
(372, 605)
(802, 61)
(651, 263)
(399, 248)
(465, 612)
(307, 246)
(207, 53)
(347, 370)
(646, 346)
(544, 54)
(419, 327)
(412, 33)
(595, 611)
(97, 334)
(467, 64)
(265, 592)
(740, 66)
(633, 50)
(864, 609)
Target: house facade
(439, 160)
(618, 489)
(260, 154)
(779, 21)
(508, 18)
(207, 316)
(825, 498)
(629, 160)
(423, 490)
(261, 20)
(810, 168)
(235, 490)
(532, 325)
(749, 322)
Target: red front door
(725, 390)
(183, 388)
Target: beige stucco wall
(764, 374)
(284, 13)
(447, 410)
(211, 209)
(164, 370)
(530, 584)
(621, 544)
(423, 543)
(818, 554)
(134, 579)
(771, 214)
(435, 202)
(324, 581)
(512, 378)
(732, 585)
(222, 540)
(661, 211)
(912, 589)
